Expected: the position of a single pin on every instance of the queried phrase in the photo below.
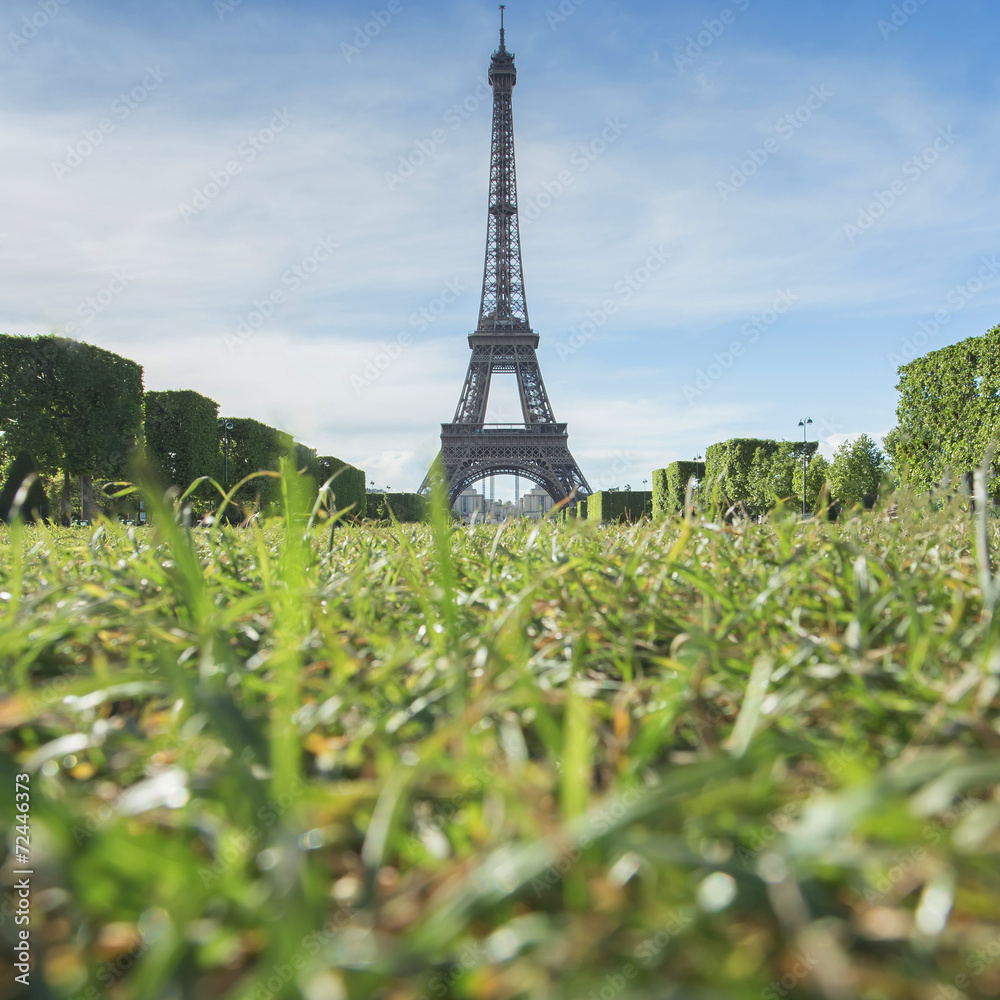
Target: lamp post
(803, 423)
(226, 426)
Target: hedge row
(619, 505)
(670, 486)
(182, 438)
(753, 473)
(69, 408)
(405, 507)
(348, 486)
(70, 412)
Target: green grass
(534, 761)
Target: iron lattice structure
(504, 342)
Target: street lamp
(226, 426)
(803, 423)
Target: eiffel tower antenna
(503, 341)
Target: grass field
(534, 761)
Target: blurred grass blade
(753, 701)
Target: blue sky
(189, 166)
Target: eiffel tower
(503, 341)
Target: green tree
(857, 471)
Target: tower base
(539, 452)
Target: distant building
(535, 504)
(469, 503)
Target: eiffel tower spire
(502, 306)
(503, 341)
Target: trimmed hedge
(182, 439)
(349, 488)
(307, 462)
(619, 505)
(405, 507)
(255, 447)
(752, 473)
(728, 467)
(670, 487)
(71, 406)
(948, 412)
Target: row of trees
(76, 415)
(757, 474)
(948, 426)
(186, 439)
